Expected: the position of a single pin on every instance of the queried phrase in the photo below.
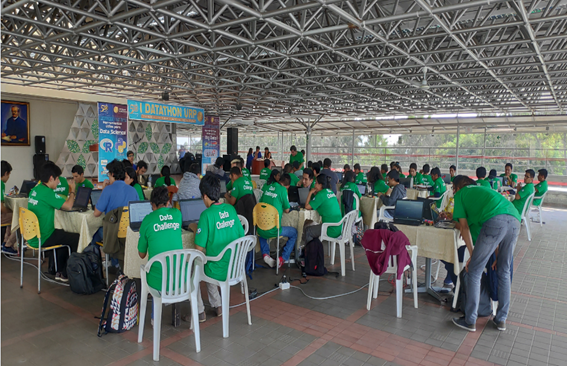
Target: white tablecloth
(14, 204)
(85, 224)
(413, 194)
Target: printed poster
(150, 111)
(211, 142)
(112, 135)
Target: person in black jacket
(395, 193)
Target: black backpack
(314, 258)
(484, 302)
(84, 271)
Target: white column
(457, 153)
(308, 144)
(352, 151)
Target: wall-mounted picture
(15, 123)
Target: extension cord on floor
(284, 285)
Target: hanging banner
(112, 135)
(211, 142)
(150, 111)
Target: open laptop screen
(83, 196)
(222, 186)
(138, 211)
(293, 194)
(95, 195)
(191, 210)
(303, 194)
(409, 209)
(362, 189)
(27, 186)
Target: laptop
(428, 204)
(153, 179)
(362, 189)
(409, 212)
(293, 195)
(27, 185)
(191, 210)
(82, 198)
(138, 211)
(95, 195)
(446, 178)
(339, 176)
(500, 180)
(303, 194)
(406, 182)
(222, 187)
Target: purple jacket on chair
(394, 244)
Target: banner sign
(149, 111)
(112, 135)
(211, 142)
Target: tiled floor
(59, 327)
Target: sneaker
(460, 322)
(448, 284)
(269, 261)
(58, 276)
(61, 277)
(9, 250)
(499, 325)
(202, 317)
(218, 310)
(280, 262)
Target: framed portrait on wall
(15, 123)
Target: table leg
(433, 291)
(175, 316)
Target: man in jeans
(490, 222)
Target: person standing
(258, 154)
(249, 159)
(487, 221)
(296, 157)
(327, 172)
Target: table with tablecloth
(148, 193)
(15, 204)
(85, 224)
(413, 194)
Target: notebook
(138, 211)
(82, 197)
(191, 210)
(293, 195)
(362, 189)
(408, 212)
(27, 185)
(303, 194)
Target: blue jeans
(500, 231)
(451, 268)
(290, 233)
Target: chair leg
(528, 229)
(247, 301)
(456, 292)
(106, 260)
(376, 286)
(540, 215)
(370, 290)
(342, 255)
(142, 316)
(22, 250)
(333, 247)
(399, 297)
(277, 254)
(351, 243)
(225, 297)
(39, 271)
(414, 286)
(195, 321)
(157, 326)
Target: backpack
(314, 258)
(84, 271)
(120, 307)
(484, 303)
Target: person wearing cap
(394, 193)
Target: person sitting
(218, 226)
(189, 184)
(141, 169)
(394, 193)
(266, 171)
(296, 171)
(480, 175)
(346, 168)
(452, 172)
(9, 246)
(541, 187)
(234, 163)
(245, 171)
(296, 156)
(79, 177)
(360, 178)
(257, 154)
(130, 178)
(127, 163)
(417, 178)
(218, 170)
(371, 175)
(308, 178)
(165, 179)
(267, 153)
(275, 194)
(327, 172)
(316, 167)
(438, 188)
(326, 204)
(522, 192)
(42, 202)
(426, 179)
(130, 156)
(62, 187)
(310, 164)
(384, 169)
(380, 185)
(398, 168)
(491, 178)
(240, 186)
(288, 168)
(348, 184)
(510, 179)
(160, 232)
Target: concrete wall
(49, 117)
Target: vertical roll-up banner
(211, 142)
(112, 135)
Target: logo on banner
(121, 145)
(106, 145)
(103, 108)
(133, 107)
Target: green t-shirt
(381, 186)
(246, 173)
(293, 179)
(160, 232)
(483, 182)
(541, 189)
(298, 158)
(360, 178)
(452, 178)
(85, 183)
(327, 205)
(478, 204)
(275, 195)
(417, 179)
(526, 191)
(63, 187)
(514, 178)
(265, 173)
(139, 191)
(229, 186)
(351, 186)
(427, 180)
(242, 186)
(218, 226)
(3, 190)
(402, 175)
(161, 182)
(42, 202)
(439, 187)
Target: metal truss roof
(291, 60)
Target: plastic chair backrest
(254, 184)
(244, 222)
(238, 250)
(266, 216)
(29, 224)
(527, 204)
(542, 197)
(444, 199)
(182, 278)
(124, 223)
(349, 220)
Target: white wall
(49, 117)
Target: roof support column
(484, 148)
(457, 152)
(352, 151)
(307, 144)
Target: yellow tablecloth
(132, 260)
(435, 243)
(369, 208)
(85, 224)
(148, 193)
(413, 194)
(14, 204)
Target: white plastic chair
(383, 208)
(538, 209)
(344, 239)
(236, 274)
(244, 223)
(525, 214)
(445, 199)
(374, 281)
(182, 285)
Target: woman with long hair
(165, 179)
(249, 159)
(326, 204)
(132, 179)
